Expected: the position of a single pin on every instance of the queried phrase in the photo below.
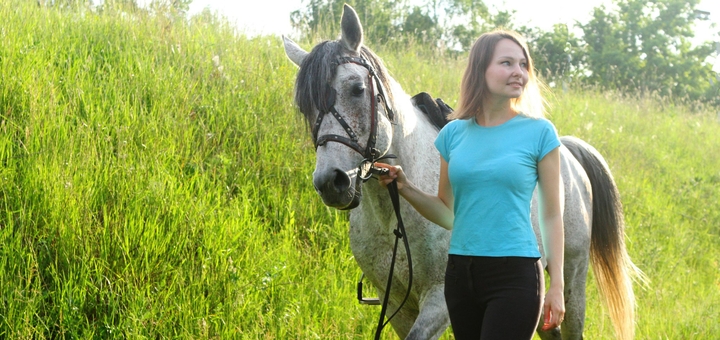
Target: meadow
(155, 182)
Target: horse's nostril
(341, 181)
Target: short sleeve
(549, 139)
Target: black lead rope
(399, 233)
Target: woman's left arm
(553, 237)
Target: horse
(357, 114)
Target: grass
(155, 183)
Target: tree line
(636, 47)
(639, 46)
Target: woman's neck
(495, 113)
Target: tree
(471, 18)
(640, 46)
(645, 46)
(395, 21)
(321, 18)
(557, 54)
(422, 27)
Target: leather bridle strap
(351, 142)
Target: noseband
(369, 152)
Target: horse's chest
(369, 243)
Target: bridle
(367, 168)
(370, 154)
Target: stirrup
(361, 299)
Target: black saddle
(436, 110)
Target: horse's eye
(358, 90)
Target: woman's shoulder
(456, 124)
(459, 121)
(540, 122)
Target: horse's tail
(611, 263)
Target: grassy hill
(155, 182)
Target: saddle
(436, 110)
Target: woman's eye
(358, 90)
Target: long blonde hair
(473, 87)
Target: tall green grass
(155, 182)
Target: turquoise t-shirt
(493, 172)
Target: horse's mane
(312, 86)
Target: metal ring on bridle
(365, 174)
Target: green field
(155, 182)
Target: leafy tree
(471, 18)
(422, 27)
(321, 18)
(557, 54)
(640, 46)
(645, 46)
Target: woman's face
(507, 72)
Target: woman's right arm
(436, 208)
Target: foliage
(321, 17)
(558, 54)
(644, 46)
(421, 28)
(389, 21)
(640, 46)
(471, 18)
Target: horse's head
(343, 90)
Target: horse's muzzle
(338, 189)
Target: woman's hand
(554, 308)
(436, 208)
(395, 172)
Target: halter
(370, 153)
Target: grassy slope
(146, 192)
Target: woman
(495, 152)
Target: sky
(273, 16)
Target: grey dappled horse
(358, 113)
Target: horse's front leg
(433, 320)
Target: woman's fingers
(552, 320)
(548, 317)
(553, 317)
(395, 172)
(392, 170)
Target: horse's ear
(352, 32)
(293, 51)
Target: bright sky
(273, 16)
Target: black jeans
(494, 297)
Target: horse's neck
(414, 144)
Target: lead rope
(399, 233)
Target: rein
(399, 234)
(366, 170)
